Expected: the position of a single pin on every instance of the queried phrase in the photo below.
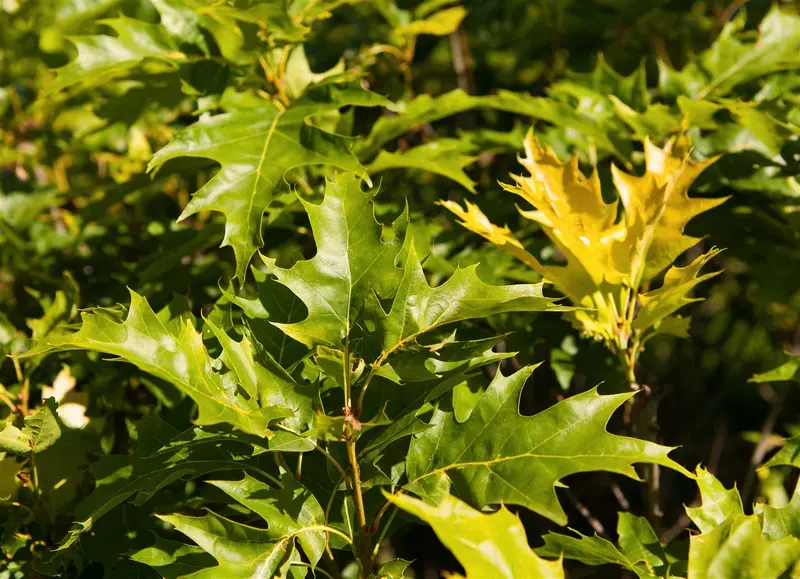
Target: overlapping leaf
(293, 516)
(250, 397)
(732, 544)
(358, 264)
(255, 148)
(163, 456)
(639, 549)
(606, 255)
(40, 431)
(355, 256)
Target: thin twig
(623, 501)
(763, 442)
(463, 64)
(669, 535)
(731, 10)
(587, 514)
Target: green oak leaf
(255, 148)
(172, 559)
(788, 455)
(737, 548)
(394, 569)
(486, 545)
(310, 10)
(497, 455)
(164, 455)
(786, 371)
(426, 109)
(730, 62)
(639, 549)
(290, 509)
(779, 523)
(182, 22)
(265, 380)
(40, 431)
(783, 522)
(41, 428)
(445, 157)
(12, 439)
(719, 504)
(418, 308)
(603, 80)
(420, 110)
(174, 352)
(241, 551)
(103, 57)
(273, 302)
(440, 23)
(355, 257)
(732, 544)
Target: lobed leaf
(497, 455)
(486, 545)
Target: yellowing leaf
(607, 256)
(487, 545)
(660, 198)
(672, 295)
(441, 23)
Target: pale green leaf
(394, 569)
(783, 522)
(181, 22)
(101, 58)
(41, 428)
(486, 545)
(445, 157)
(417, 308)
(736, 549)
(439, 23)
(718, 503)
(12, 439)
(786, 371)
(731, 544)
(596, 551)
(241, 551)
(172, 559)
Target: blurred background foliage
(81, 219)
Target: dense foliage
(247, 328)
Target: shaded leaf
(175, 353)
(288, 510)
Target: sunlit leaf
(486, 545)
(497, 455)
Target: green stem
(364, 547)
(644, 425)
